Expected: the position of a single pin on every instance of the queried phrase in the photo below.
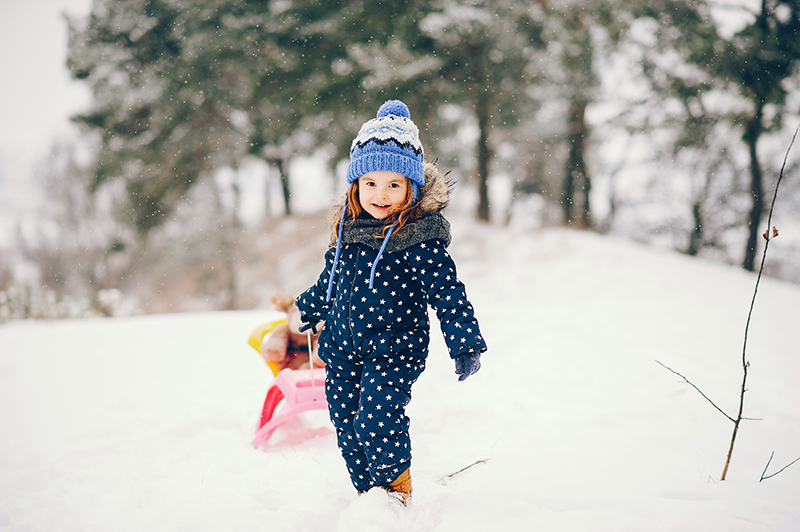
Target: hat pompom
(394, 107)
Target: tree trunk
(586, 189)
(484, 155)
(287, 191)
(568, 191)
(696, 237)
(576, 177)
(754, 129)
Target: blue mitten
(467, 364)
(308, 323)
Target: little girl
(389, 262)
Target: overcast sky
(36, 94)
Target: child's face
(382, 192)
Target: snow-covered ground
(145, 423)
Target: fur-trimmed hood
(435, 195)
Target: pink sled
(300, 389)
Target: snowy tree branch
(777, 472)
(698, 390)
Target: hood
(435, 195)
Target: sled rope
(311, 363)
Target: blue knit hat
(390, 143)
(387, 143)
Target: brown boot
(400, 488)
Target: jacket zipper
(350, 299)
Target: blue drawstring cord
(336, 256)
(380, 252)
(377, 258)
(414, 189)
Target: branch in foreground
(745, 363)
(779, 471)
(451, 475)
(698, 390)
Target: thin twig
(696, 388)
(767, 466)
(451, 475)
(766, 245)
(745, 363)
(778, 472)
(764, 254)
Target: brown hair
(398, 217)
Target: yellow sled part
(257, 337)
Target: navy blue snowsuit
(375, 341)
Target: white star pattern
(375, 346)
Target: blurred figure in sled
(285, 345)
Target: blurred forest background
(218, 132)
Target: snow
(145, 423)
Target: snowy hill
(145, 423)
